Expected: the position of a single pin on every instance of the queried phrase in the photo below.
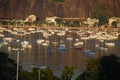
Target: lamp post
(39, 69)
(39, 74)
(18, 56)
(17, 74)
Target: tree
(92, 69)
(66, 23)
(105, 68)
(102, 20)
(7, 67)
(25, 75)
(59, 21)
(5, 22)
(100, 12)
(76, 24)
(82, 76)
(67, 73)
(110, 68)
(45, 74)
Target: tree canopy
(100, 12)
(105, 68)
(7, 67)
(59, 21)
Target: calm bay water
(40, 55)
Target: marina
(57, 47)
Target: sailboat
(62, 47)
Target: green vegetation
(7, 67)
(47, 74)
(104, 68)
(59, 21)
(76, 24)
(8, 71)
(68, 73)
(100, 12)
(68, 24)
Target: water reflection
(58, 48)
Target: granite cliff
(20, 9)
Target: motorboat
(24, 44)
(89, 52)
(78, 48)
(110, 44)
(50, 50)
(62, 47)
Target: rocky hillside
(20, 9)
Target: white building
(112, 19)
(30, 18)
(91, 22)
(118, 22)
(51, 19)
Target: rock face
(20, 9)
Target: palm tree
(59, 21)
(68, 73)
(76, 23)
(7, 67)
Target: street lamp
(39, 69)
(18, 55)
